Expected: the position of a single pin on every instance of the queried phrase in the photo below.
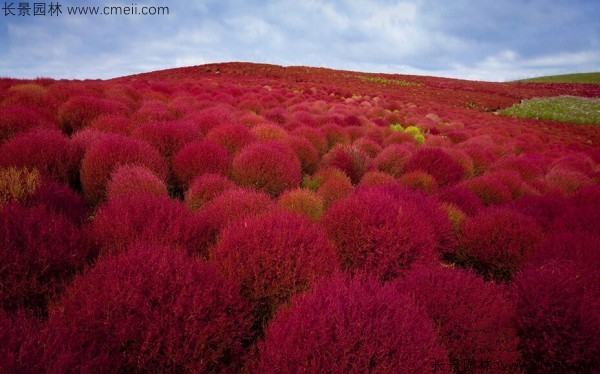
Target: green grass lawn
(593, 78)
(570, 109)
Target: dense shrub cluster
(350, 326)
(410, 206)
(148, 309)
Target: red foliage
(128, 179)
(270, 167)
(353, 161)
(497, 241)
(131, 219)
(473, 318)
(79, 111)
(436, 162)
(376, 178)
(40, 250)
(204, 188)
(306, 152)
(107, 154)
(302, 201)
(19, 351)
(334, 188)
(230, 206)
(557, 319)
(200, 157)
(489, 189)
(48, 151)
(379, 234)
(393, 158)
(462, 197)
(232, 137)
(167, 137)
(112, 123)
(59, 198)
(273, 257)
(209, 118)
(313, 135)
(20, 118)
(335, 135)
(148, 309)
(418, 180)
(350, 326)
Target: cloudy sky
(494, 40)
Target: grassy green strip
(593, 78)
(571, 109)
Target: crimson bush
(108, 153)
(351, 326)
(200, 157)
(378, 233)
(269, 167)
(436, 162)
(129, 179)
(148, 309)
(204, 188)
(353, 161)
(273, 257)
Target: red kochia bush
(61, 199)
(48, 151)
(144, 218)
(274, 257)
(558, 320)
(200, 157)
(148, 309)
(353, 161)
(19, 352)
(128, 179)
(20, 118)
(378, 233)
(110, 152)
(350, 326)
(473, 318)
(79, 111)
(204, 188)
(39, 251)
(496, 241)
(232, 137)
(270, 167)
(436, 162)
(167, 137)
(393, 159)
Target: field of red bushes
(254, 218)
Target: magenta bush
(462, 197)
(200, 157)
(273, 257)
(231, 137)
(18, 118)
(148, 309)
(497, 241)
(393, 158)
(379, 234)
(473, 319)
(204, 188)
(107, 154)
(269, 167)
(40, 250)
(128, 179)
(167, 137)
(78, 112)
(557, 316)
(19, 348)
(306, 152)
(353, 161)
(436, 162)
(137, 218)
(59, 198)
(48, 151)
(350, 326)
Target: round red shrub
(266, 166)
(376, 178)
(273, 257)
(212, 117)
(230, 206)
(200, 157)
(148, 309)
(333, 189)
(567, 181)
(231, 137)
(79, 111)
(40, 250)
(489, 189)
(21, 118)
(269, 132)
(544, 209)
(131, 219)
(204, 188)
(378, 233)
(393, 158)
(335, 135)
(350, 326)
(353, 161)
(112, 123)
(497, 241)
(436, 162)
(473, 319)
(48, 151)
(167, 137)
(306, 152)
(557, 316)
(418, 180)
(302, 201)
(368, 145)
(60, 198)
(128, 179)
(107, 154)
(313, 135)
